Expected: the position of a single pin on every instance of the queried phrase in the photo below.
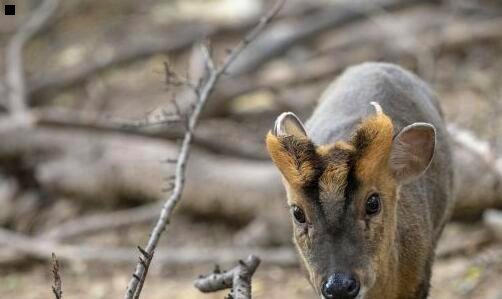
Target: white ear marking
(377, 107)
(288, 124)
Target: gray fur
(424, 204)
(406, 99)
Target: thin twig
(57, 287)
(214, 73)
(238, 279)
(16, 83)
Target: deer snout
(340, 285)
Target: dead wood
(180, 39)
(101, 222)
(461, 238)
(113, 167)
(215, 184)
(367, 42)
(493, 220)
(238, 279)
(216, 135)
(284, 35)
(478, 183)
(15, 81)
(42, 249)
(202, 92)
(264, 230)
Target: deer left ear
(292, 151)
(412, 151)
(288, 124)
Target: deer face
(343, 199)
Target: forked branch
(237, 279)
(214, 73)
(15, 80)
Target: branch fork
(238, 279)
(203, 93)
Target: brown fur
(302, 164)
(334, 175)
(373, 140)
(296, 159)
(343, 156)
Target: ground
(463, 270)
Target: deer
(368, 183)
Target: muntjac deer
(368, 182)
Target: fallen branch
(217, 135)
(42, 249)
(238, 279)
(461, 239)
(283, 36)
(214, 184)
(14, 58)
(105, 221)
(366, 42)
(107, 173)
(478, 182)
(214, 73)
(186, 36)
(493, 220)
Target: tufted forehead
(335, 168)
(338, 161)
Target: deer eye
(373, 204)
(298, 214)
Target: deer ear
(288, 124)
(292, 151)
(412, 151)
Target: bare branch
(57, 287)
(14, 58)
(238, 279)
(145, 259)
(214, 73)
(252, 35)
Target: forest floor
(466, 73)
(463, 271)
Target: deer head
(343, 199)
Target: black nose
(340, 286)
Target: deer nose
(340, 286)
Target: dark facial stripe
(352, 183)
(337, 182)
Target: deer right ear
(288, 124)
(292, 151)
(412, 151)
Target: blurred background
(85, 180)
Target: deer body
(368, 184)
